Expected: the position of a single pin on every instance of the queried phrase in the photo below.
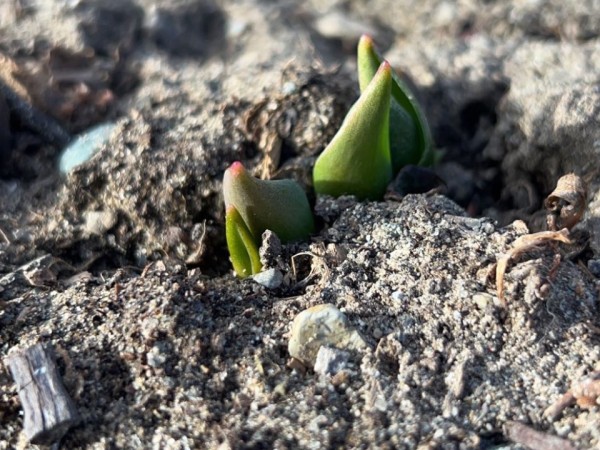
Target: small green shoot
(242, 247)
(255, 206)
(410, 135)
(357, 161)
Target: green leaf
(243, 250)
(357, 161)
(410, 135)
(277, 205)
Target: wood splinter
(49, 411)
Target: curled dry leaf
(566, 204)
(524, 244)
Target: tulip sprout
(253, 206)
(357, 160)
(410, 135)
(384, 131)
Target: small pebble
(483, 300)
(84, 146)
(156, 357)
(289, 88)
(270, 278)
(487, 228)
(330, 361)
(99, 222)
(322, 325)
(235, 28)
(317, 423)
(398, 296)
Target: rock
(483, 300)
(157, 355)
(330, 360)
(99, 222)
(85, 146)
(270, 278)
(318, 423)
(270, 250)
(322, 325)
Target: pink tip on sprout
(384, 68)
(366, 38)
(236, 168)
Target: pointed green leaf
(357, 160)
(277, 205)
(410, 135)
(368, 61)
(243, 250)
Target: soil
(122, 266)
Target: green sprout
(241, 244)
(253, 206)
(410, 135)
(384, 131)
(357, 161)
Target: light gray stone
(99, 222)
(318, 326)
(330, 360)
(85, 146)
(270, 278)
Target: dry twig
(586, 393)
(4, 237)
(533, 439)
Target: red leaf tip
(236, 168)
(384, 70)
